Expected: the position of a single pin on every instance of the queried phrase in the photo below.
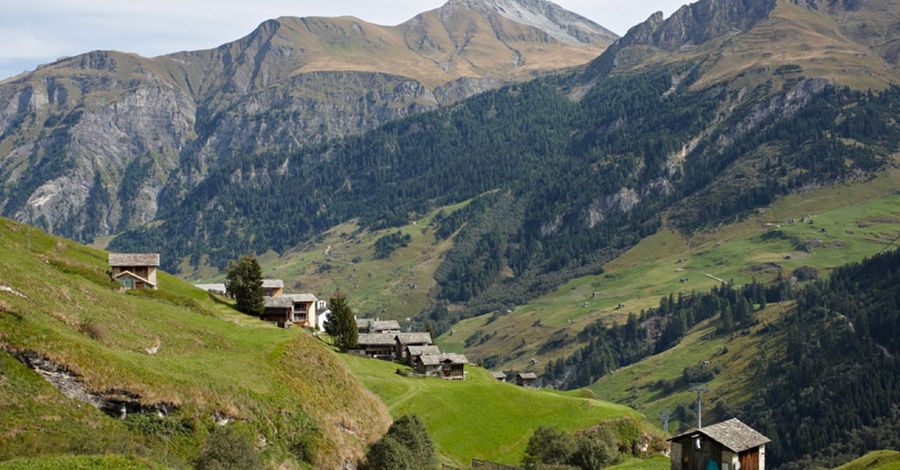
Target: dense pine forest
(569, 183)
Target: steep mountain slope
(853, 43)
(94, 144)
(175, 360)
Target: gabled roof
(499, 375)
(446, 358)
(527, 375)
(211, 287)
(133, 275)
(133, 259)
(423, 350)
(733, 434)
(301, 297)
(376, 339)
(277, 302)
(377, 326)
(273, 284)
(413, 338)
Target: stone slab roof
(527, 375)
(133, 259)
(733, 434)
(413, 338)
(423, 350)
(446, 358)
(301, 297)
(273, 284)
(278, 302)
(376, 339)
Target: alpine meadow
(496, 235)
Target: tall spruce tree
(244, 281)
(340, 324)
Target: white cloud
(39, 31)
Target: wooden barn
(730, 445)
(404, 340)
(279, 310)
(413, 353)
(377, 345)
(526, 379)
(134, 270)
(447, 366)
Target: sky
(34, 32)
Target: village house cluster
(383, 339)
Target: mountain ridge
(114, 135)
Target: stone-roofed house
(404, 340)
(377, 345)
(279, 310)
(526, 379)
(448, 366)
(413, 352)
(304, 309)
(134, 270)
(499, 375)
(273, 287)
(730, 445)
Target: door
(749, 460)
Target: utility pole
(699, 388)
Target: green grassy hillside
(480, 417)
(879, 460)
(57, 301)
(848, 223)
(395, 287)
(656, 383)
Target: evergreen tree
(410, 431)
(388, 454)
(341, 325)
(244, 281)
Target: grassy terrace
(480, 417)
(878, 460)
(849, 222)
(211, 360)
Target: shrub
(548, 446)
(406, 445)
(228, 448)
(388, 454)
(597, 451)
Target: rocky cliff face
(92, 145)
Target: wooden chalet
(526, 379)
(273, 287)
(413, 352)
(304, 309)
(730, 445)
(377, 345)
(500, 376)
(279, 310)
(134, 270)
(404, 340)
(447, 366)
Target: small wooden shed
(730, 445)
(279, 310)
(134, 270)
(447, 366)
(526, 379)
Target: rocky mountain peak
(559, 23)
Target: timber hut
(526, 379)
(134, 270)
(730, 445)
(279, 310)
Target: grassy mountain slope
(878, 460)
(480, 417)
(857, 219)
(211, 361)
(398, 286)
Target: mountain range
(92, 145)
